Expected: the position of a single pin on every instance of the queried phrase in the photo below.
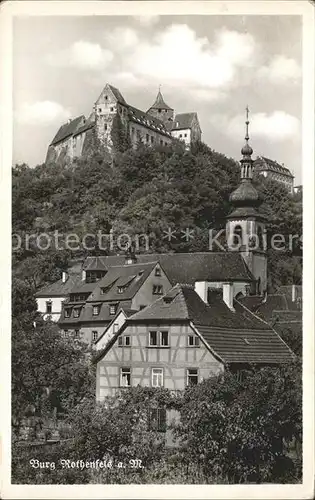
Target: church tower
(161, 110)
(245, 227)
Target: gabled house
(180, 340)
(93, 306)
(50, 298)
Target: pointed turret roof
(159, 102)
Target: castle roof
(160, 103)
(68, 129)
(138, 116)
(183, 120)
(117, 94)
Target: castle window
(106, 97)
(160, 110)
(100, 110)
(152, 139)
(105, 126)
(147, 137)
(192, 376)
(111, 109)
(161, 142)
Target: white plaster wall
(56, 303)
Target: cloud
(207, 95)
(147, 21)
(122, 38)
(82, 55)
(275, 127)
(176, 56)
(280, 70)
(41, 113)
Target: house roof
(234, 337)
(183, 120)
(60, 289)
(263, 163)
(269, 306)
(187, 267)
(86, 126)
(68, 129)
(129, 277)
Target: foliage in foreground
(231, 430)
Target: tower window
(237, 236)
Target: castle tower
(161, 110)
(245, 227)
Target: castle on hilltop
(158, 126)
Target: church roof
(185, 267)
(245, 194)
(68, 129)
(183, 120)
(160, 103)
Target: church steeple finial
(246, 161)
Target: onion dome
(246, 150)
(245, 195)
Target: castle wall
(146, 135)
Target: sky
(214, 65)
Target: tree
(120, 135)
(236, 427)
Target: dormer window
(96, 309)
(67, 313)
(157, 271)
(113, 309)
(76, 312)
(121, 289)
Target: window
(125, 377)
(164, 338)
(192, 376)
(157, 290)
(124, 341)
(157, 419)
(121, 289)
(112, 309)
(77, 334)
(65, 334)
(193, 341)
(157, 272)
(100, 110)
(161, 142)
(94, 336)
(159, 110)
(105, 126)
(152, 139)
(112, 109)
(115, 327)
(96, 310)
(147, 137)
(76, 312)
(185, 135)
(237, 236)
(67, 313)
(157, 377)
(48, 306)
(153, 338)
(180, 135)
(106, 97)
(159, 339)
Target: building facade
(273, 170)
(159, 126)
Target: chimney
(64, 276)
(201, 288)
(83, 275)
(228, 295)
(293, 293)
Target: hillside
(142, 191)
